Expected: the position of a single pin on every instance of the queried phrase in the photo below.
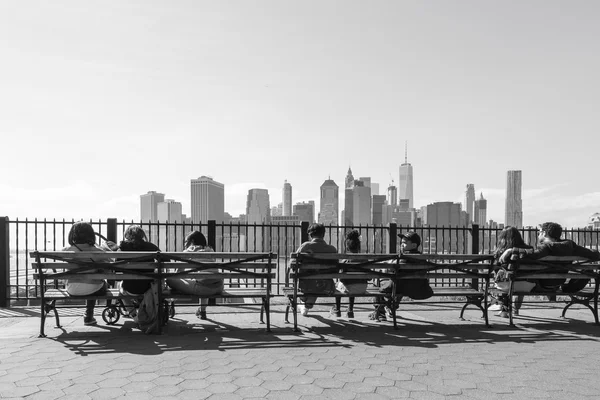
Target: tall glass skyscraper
(470, 202)
(329, 204)
(406, 181)
(513, 214)
(287, 199)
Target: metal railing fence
(19, 237)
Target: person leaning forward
(315, 245)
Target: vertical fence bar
(111, 229)
(212, 234)
(393, 228)
(4, 261)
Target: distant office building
(348, 199)
(287, 199)
(329, 203)
(404, 204)
(258, 211)
(149, 206)
(361, 204)
(470, 201)
(170, 231)
(277, 211)
(366, 180)
(378, 204)
(208, 200)
(514, 204)
(480, 211)
(406, 181)
(305, 211)
(449, 215)
(392, 195)
(374, 188)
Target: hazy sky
(101, 102)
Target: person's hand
(505, 256)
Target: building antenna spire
(406, 152)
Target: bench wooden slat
(51, 294)
(113, 277)
(229, 292)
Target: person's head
(195, 238)
(410, 241)
(353, 241)
(82, 233)
(316, 230)
(549, 232)
(508, 238)
(135, 233)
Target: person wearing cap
(417, 289)
(316, 244)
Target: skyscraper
(406, 181)
(470, 201)
(480, 211)
(348, 199)
(329, 203)
(170, 237)
(305, 211)
(448, 214)
(258, 211)
(287, 199)
(361, 204)
(208, 200)
(513, 214)
(392, 195)
(148, 206)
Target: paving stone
(306, 389)
(251, 392)
(276, 385)
(221, 388)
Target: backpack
(147, 315)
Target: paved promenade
(432, 356)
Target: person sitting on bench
(550, 244)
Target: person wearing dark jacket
(417, 289)
(550, 244)
(134, 239)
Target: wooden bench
(452, 275)
(334, 266)
(464, 275)
(245, 275)
(553, 267)
(59, 266)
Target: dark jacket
(325, 286)
(137, 286)
(562, 248)
(417, 289)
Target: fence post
(474, 239)
(4, 261)
(212, 234)
(393, 238)
(304, 231)
(475, 250)
(111, 229)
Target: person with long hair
(509, 238)
(135, 239)
(82, 238)
(349, 286)
(196, 242)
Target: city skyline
(254, 98)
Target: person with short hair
(550, 244)
(417, 289)
(82, 238)
(196, 242)
(315, 245)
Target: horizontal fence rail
(19, 237)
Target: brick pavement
(432, 356)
